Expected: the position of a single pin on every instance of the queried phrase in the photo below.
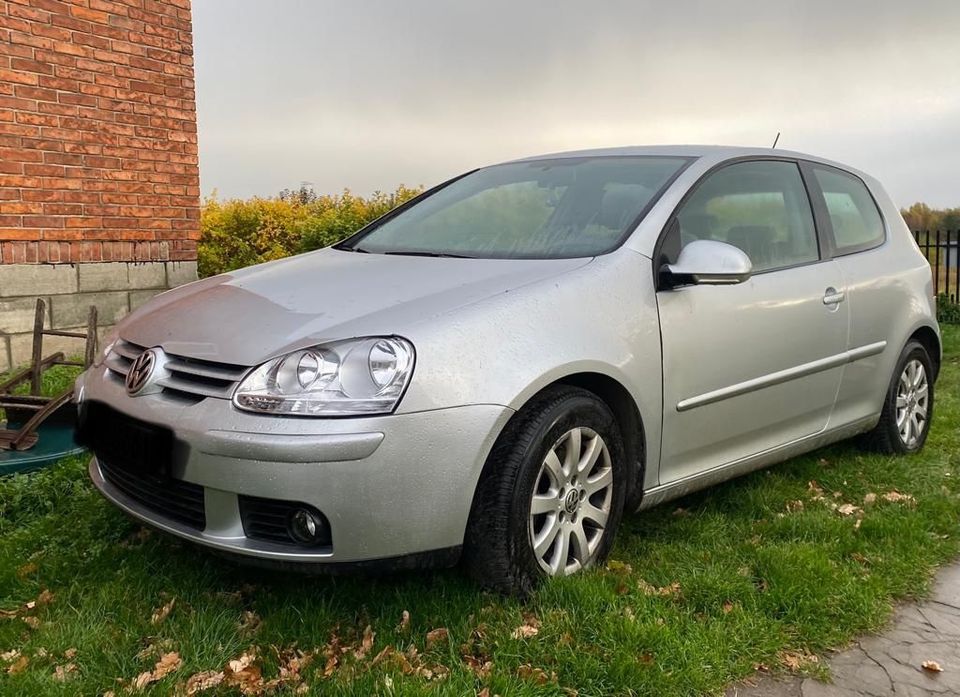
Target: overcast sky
(368, 94)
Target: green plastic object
(55, 443)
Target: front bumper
(390, 486)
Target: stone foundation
(115, 288)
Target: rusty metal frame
(42, 407)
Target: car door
(756, 365)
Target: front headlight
(343, 378)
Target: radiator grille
(188, 376)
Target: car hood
(250, 315)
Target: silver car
(495, 371)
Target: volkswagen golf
(497, 370)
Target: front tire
(908, 405)
(552, 493)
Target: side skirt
(737, 468)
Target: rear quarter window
(856, 221)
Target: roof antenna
(776, 140)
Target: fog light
(306, 527)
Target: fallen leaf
(69, 653)
(529, 628)
(848, 509)
(727, 607)
(206, 680)
(249, 622)
(45, 598)
(869, 499)
(404, 622)
(10, 655)
(646, 659)
(931, 666)
(162, 613)
(816, 492)
(538, 675)
(62, 673)
(19, 665)
(897, 497)
(26, 570)
(665, 592)
(435, 636)
(168, 663)
(32, 622)
(244, 674)
(367, 643)
(795, 661)
(794, 506)
(619, 567)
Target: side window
(761, 207)
(856, 222)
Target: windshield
(544, 209)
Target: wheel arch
(625, 409)
(930, 339)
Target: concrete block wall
(115, 288)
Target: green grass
(757, 577)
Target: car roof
(714, 153)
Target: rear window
(856, 222)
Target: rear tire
(908, 405)
(552, 493)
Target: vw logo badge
(141, 371)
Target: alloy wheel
(571, 502)
(912, 402)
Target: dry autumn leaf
(45, 598)
(848, 509)
(435, 636)
(161, 613)
(728, 607)
(26, 570)
(18, 666)
(404, 622)
(529, 628)
(897, 497)
(69, 653)
(206, 680)
(168, 663)
(538, 675)
(10, 655)
(869, 499)
(244, 674)
(31, 622)
(665, 592)
(931, 667)
(794, 506)
(63, 673)
(366, 643)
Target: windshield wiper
(414, 253)
(345, 248)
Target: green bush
(238, 233)
(948, 311)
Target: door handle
(832, 296)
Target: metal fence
(942, 249)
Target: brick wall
(98, 150)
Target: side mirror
(709, 262)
